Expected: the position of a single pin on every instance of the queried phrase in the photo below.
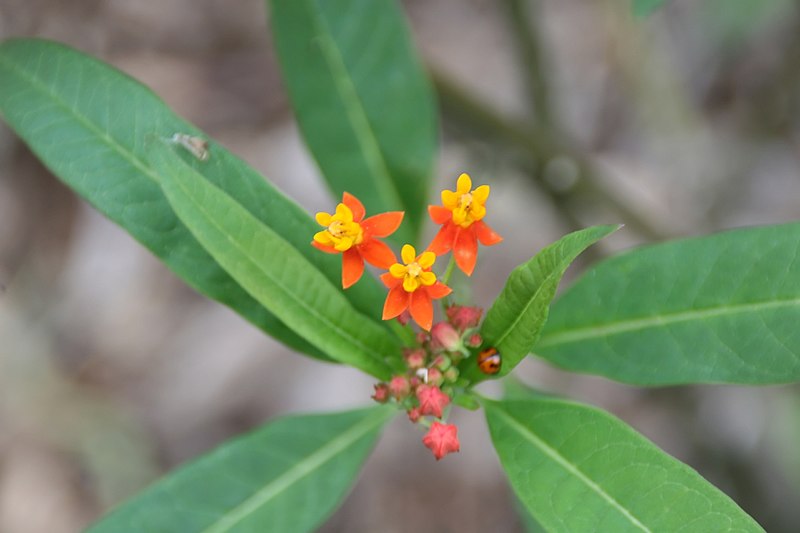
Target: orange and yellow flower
(461, 215)
(349, 233)
(413, 286)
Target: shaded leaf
(715, 309)
(577, 468)
(272, 270)
(287, 476)
(362, 100)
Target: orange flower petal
(396, 302)
(422, 309)
(443, 241)
(438, 290)
(377, 253)
(391, 281)
(439, 214)
(465, 250)
(485, 234)
(384, 224)
(326, 249)
(355, 206)
(352, 267)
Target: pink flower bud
(451, 374)
(414, 382)
(404, 318)
(422, 337)
(445, 337)
(399, 387)
(442, 362)
(474, 340)
(442, 439)
(414, 414)
(463, 317)
(381, 393)
(431, 400)
(415, 358)
(434, 376)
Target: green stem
(449, 270)
(445, 302)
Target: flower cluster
(412, 284)
(431, 379)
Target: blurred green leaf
(287, 476)
(92, 126)
(717, 309)
(362, 99)
(644, 8)
(272, 270)
(516, 317)
(577, 468)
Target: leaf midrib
(295, 473)
(637, 324)
(567, 465)
(374, 357)
(355, 111)
(43, 88)
(532, 299)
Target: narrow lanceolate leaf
(716, 309)
(515, 319)
(93, 126)
(287, 476)
(272, 270)
(577, 468)
(363, 102)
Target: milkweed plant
(715, 309)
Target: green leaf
(577, 468)
(92, 126)
(644, 8)
(272, 270)
(515, 319)
(286, 476)
(716, 309)
(362, 100)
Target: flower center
(414, 270)
(345, 234)
(465, 201)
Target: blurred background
(112, 371)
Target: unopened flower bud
(422, 337)
(404, 318)
(474, 340)
(399, 387)
(414, 414)
(431, 400)
(442, 362)
(442, 439)
(414, 382)
(381, 393)
(451, 374)
(415, 358)
(445, 337)
(463, 317)
(434, 376)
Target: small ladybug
(489, 361)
